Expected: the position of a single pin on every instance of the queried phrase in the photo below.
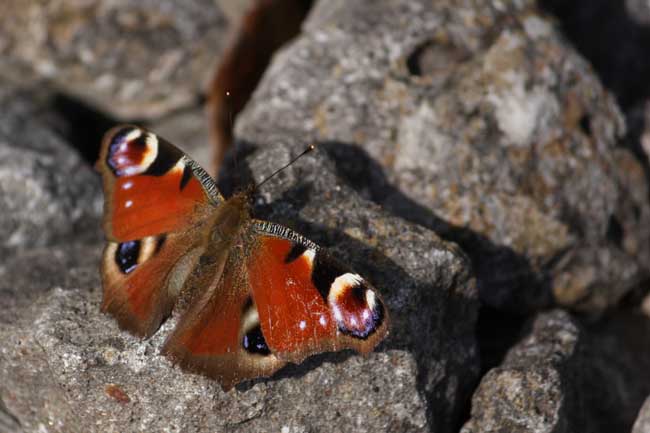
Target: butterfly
(251, 295)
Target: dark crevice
(497, 330)
(618, 353)
(501, 272)
(585, 124)
(81, 124)
(635, 119)
(414, 60)
(435, 59)
(615, 231)
(618, 47)
(635, 297)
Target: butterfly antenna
(304, 152)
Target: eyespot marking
(126, 256)
(354, 306)
(167, 158)
(253, 339)
(255, 343)
(129, 255)
(131, 151)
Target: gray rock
(526, 392)
(645, 133)
(187, 129)
(47, 193)
(65, 365)
(642, 424)
(25, 276)
(8, 422)
(479, 122)
(134, 59)
(565, 377)
(71, 369)
(472, 121)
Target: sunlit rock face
(482, 124)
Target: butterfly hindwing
(156, 198)
(219, 335)
(142, 279)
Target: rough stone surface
(70, 369)
(566, 377)
(65, 364)
(643, 114)
(642, 424)
(135, 59)
(473, 120)
(47, 193)
(27, 275)
(187, 129)
(480, 123)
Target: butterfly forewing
(307, 301)
(150, 186)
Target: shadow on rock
(618, 47)
(494, 265)
(431, 319)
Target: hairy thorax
(228, 222)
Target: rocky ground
(485, 164)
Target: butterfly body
(250, 295)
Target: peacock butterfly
(252, 295)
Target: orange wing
(156, 198)
(150, 186)
(142, 279)
(219, 335)
(307, 301)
